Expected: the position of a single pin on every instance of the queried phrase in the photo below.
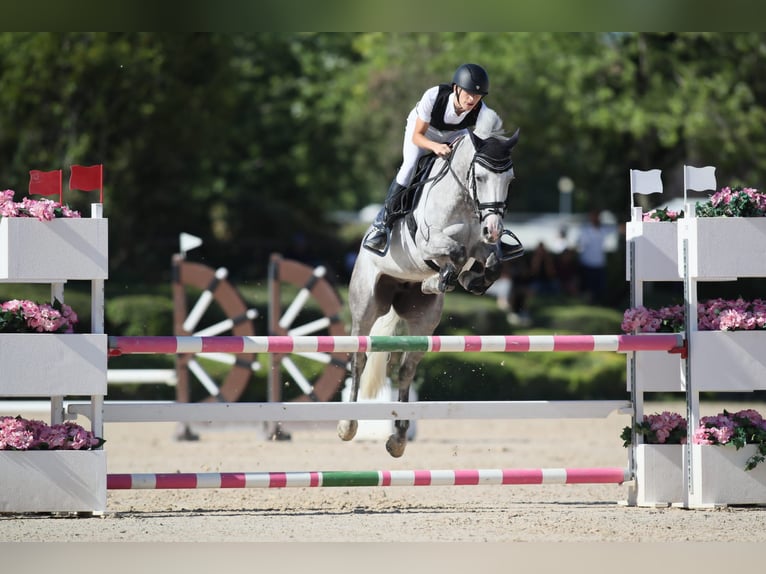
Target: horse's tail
(374, 375)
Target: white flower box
(732, 361)
(46, 364)
(53, 481)
(657, 372)
(726, 247)
(655, 250)
(53, 251)
(659, 475)
(724, 480)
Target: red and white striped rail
(153, 481)
(123, 345)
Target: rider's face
(466, 101)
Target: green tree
(253, 140)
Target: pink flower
(661, 427)
(39, 318)
(7, 206)
(640, 319)
(716, 429)
(723, 197)
(713, 315)
(17, 433)
(753, 416)
(70, 213)
(42, 209)
(730, 320)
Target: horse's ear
(476, 141)
(513, 140)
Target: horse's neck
(446, 200)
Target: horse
(454, 235)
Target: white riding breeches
(412, 153)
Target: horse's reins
(493, 165)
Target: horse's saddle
(415, 190)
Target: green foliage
(441, 376)
(252, 140)
(137, 315)
(521, 376)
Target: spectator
(542, 272)
(590, 246)
(561, 242)
(567, 272)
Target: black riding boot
(377, 239)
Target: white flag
(189, 242)
(645, 182)
(699, 178)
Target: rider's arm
(419, 139)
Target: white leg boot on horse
(378, 238)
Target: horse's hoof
(395, 447)
(447, 278)
(347, 429)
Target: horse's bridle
(482, 210)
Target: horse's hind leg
(347, 428)
(422, 314)
(397, 442)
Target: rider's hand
(442, 150)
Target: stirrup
(509, 246)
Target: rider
(443, 113)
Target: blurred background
(268, 141)
(286, 142)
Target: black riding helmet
(472, 78)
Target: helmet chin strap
(456, 91)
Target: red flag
(88, 178)
(45, 182)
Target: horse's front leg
(448, 254)
(480, 277)
(347, 428)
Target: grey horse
(454, 236)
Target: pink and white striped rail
(123, 345)
(608, 475)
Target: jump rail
(123, 345)
(608, 475)
(135, 411)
